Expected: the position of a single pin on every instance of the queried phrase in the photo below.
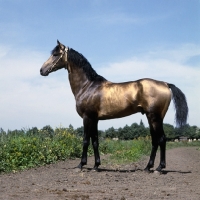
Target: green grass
(133, 150)
(22, 151)
(171, 145)
(126, 151)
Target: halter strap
(65, 51)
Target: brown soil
(180, 180)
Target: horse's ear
(58, 43)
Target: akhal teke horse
(99, 99)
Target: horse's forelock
(55, 49)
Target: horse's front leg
(90, 130)
(86, 143)
(92, 125)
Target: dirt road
(180, 180)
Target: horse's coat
(99, 99)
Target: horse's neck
(78, 80)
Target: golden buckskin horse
(99, 99)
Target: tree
(187, 131)
(169, 131)
(71, 129)
(32, 131)
(80, 131)
(3, 136)
(125, 133)
(139, 130)
(47, 131)
(111, 133)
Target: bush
(33, 147)
(25, 151)
(21, 149)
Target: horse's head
(57, 60)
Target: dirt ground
(180, 180)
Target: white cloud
(164, 65)
(28, 99)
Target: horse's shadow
(100, 170)
(89, 169)
(175, 171)
(114, 170)
(164, 172)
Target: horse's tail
(180, 105)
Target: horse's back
(123, 99)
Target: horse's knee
(162, 140)
(86, 143)
(95, 145)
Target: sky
(123, 40)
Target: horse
(99, 99)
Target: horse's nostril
(40, 71)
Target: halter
(65, 51)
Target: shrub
(25, 151)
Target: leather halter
(65, 51)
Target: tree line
(133, 131)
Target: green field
(27, 149)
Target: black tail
(180, 105)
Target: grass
(127, 151)
(171, 145)
(23, 151)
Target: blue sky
(123, 40)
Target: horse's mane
(80, 61)
(83, 63)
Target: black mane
(83, 63)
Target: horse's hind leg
(153, 151)
(162, 144)
(158, 138)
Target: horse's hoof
(77, 169)
(95, 169)
(157, 172)
(147, 170)
(159, 168)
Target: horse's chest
(88, 105)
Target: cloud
(171, 66)
(28, 99)
(3, 51)
(168, 66)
